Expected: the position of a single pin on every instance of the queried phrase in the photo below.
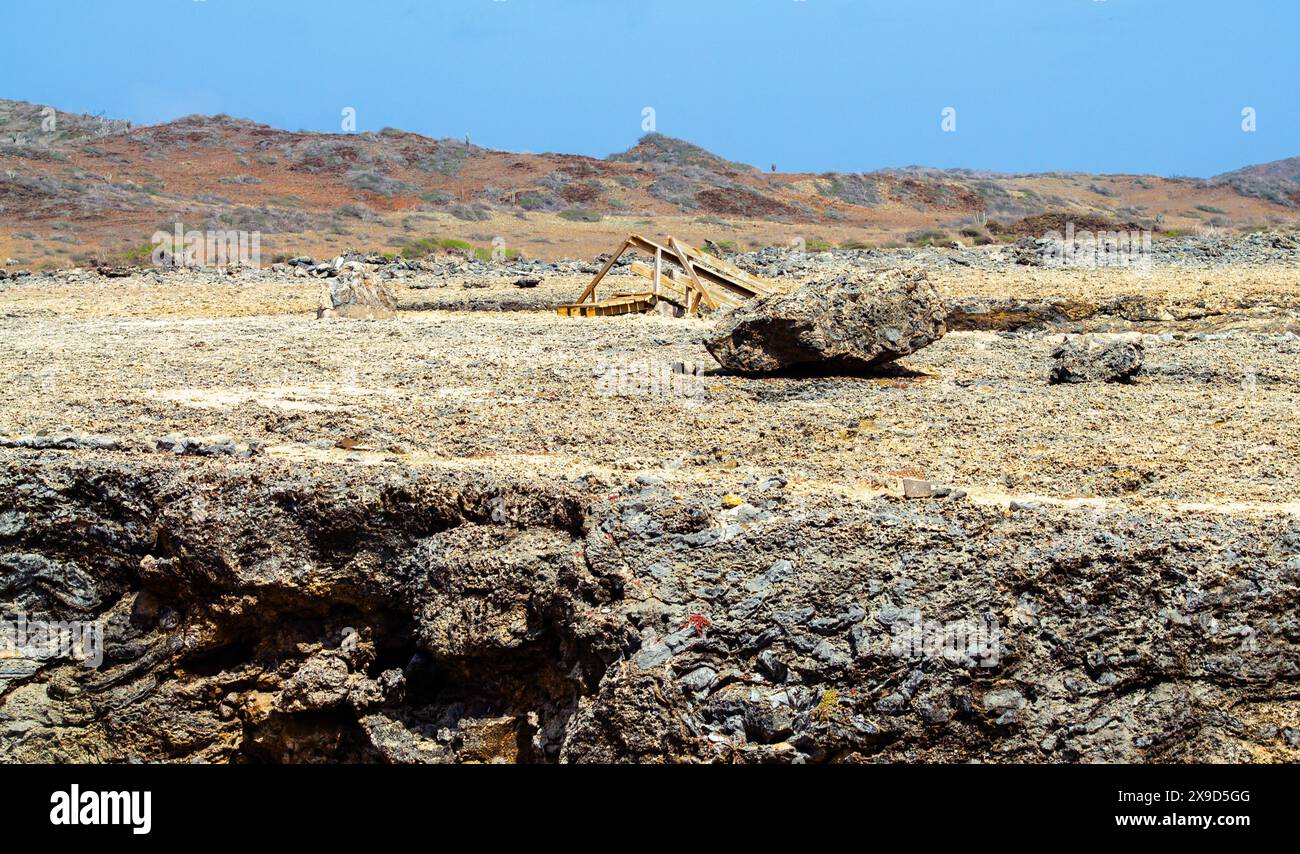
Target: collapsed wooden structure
(695, 280)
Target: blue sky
(1153, 86)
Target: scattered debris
(705, 282)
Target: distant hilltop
(72, 184)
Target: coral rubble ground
(479, 531)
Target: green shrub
(471, 213)
(430, 245)
(932, 237)
(580, 215)
(420, 248)
(534, 201)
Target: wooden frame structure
(699, 280)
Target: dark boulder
(1088, 361)
(849, 322)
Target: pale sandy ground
(86, 295)
(1209, 426)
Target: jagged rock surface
(848, 322)
(257, 612)
(1087, 360)
(359, 296)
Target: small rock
(913, 488)
(649, 657)
(1002, 700)
(1083, 361)
(357, 295)
(699, 679)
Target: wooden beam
(690, 271)
(759, 286)
(669, 287)
(744, 288)
(708, 280)
(591, 288)
(622, 304)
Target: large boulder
(851, 322)
(1088, 360)
(357, 295)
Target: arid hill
(79, 188)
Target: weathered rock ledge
(258, 611)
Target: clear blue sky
(1152, 86)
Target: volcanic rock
(850, 322)
(1084, 361)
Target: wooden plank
(678, 290)
(690, 271)
(668, 285)
(703, 272)
(621, 304)
(640, 243)
(716, 264)
(591, 288)
(669, 288)
(708, 281)
(754, 283)
(721, 291)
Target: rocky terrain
(477, 531)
